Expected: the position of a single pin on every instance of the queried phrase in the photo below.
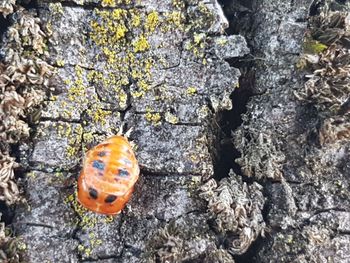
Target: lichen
(327, 86)
(25, 37)
(197, 46)
(191, 90)
(109, 3)
(123, 37)
(153, 117)
(234, 218)
(87, 221)
(56, 8)
(336, 129)
(141, 44)
(201, 18)
(152, 21)
(171, 118)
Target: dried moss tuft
(236, 208)
(8, 189)
(6, 7)
(9, 246)
(22, 78)
(328, 84)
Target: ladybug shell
(107, 179)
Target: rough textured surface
(282, 137)
(161, 69)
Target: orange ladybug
(109, 173)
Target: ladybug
(107, 178)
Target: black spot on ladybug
(93, 193)
(102, 153)
(110, 199)
(123, 173)
(98, 164)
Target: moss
(22, 79)
(313, 47)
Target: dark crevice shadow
(241, 15)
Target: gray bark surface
(167, 69)
(306, 180)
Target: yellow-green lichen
(88, 137)
(171, 118)
(135, 18)
(176, 19)
(141, 44)
(99, 115)
(87, 222)
(153, 117)
(122, 37)
(113, 32)
(73, 137)
(222, 41)
(152, 21)
(56, 8)
(191, 90)
(31, 175)
(197, 45)
(109, 3)
(178, 4)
